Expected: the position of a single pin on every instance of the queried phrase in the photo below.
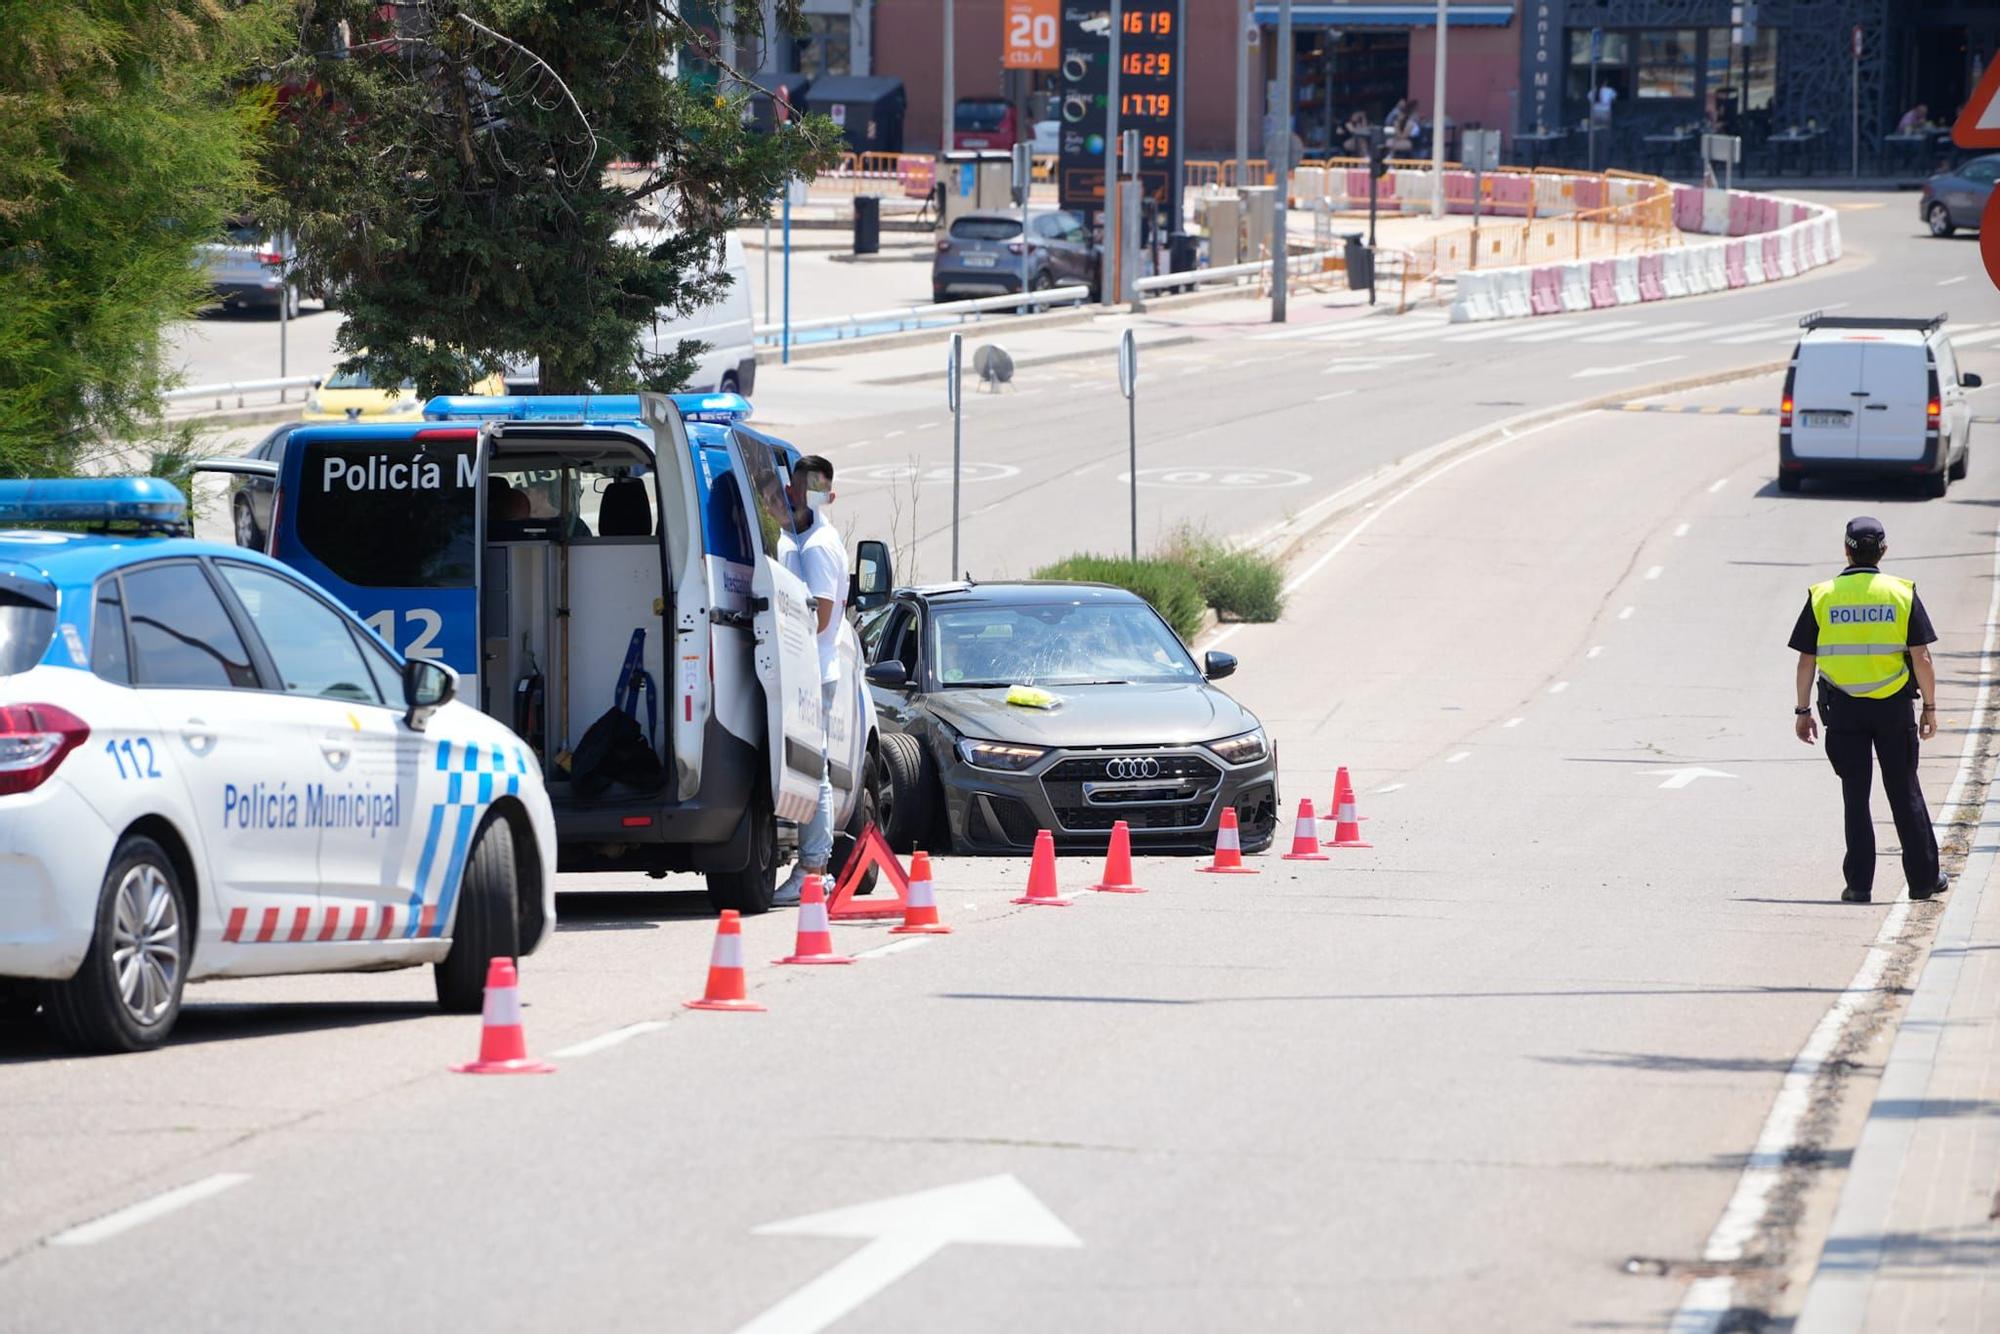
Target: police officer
(1866, 636)
(818, 556)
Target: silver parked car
(247, 267)
(980, 255)
(1956, 198)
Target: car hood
(1169, 714)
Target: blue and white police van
(210, 769)
(578, 558)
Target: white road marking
(896, 946)
(590, 1046)
(1392, 787)
(1654, 571)
(1680, 778)
(1759, 335)
(1514, 722)
(1558, 687)
(1595, 372)
(1461, 755)
(1949, 282)
(1646, 332)
(1360, 365)
(1681, 531)
(1510, 329)
(138, 1215)
(1574, 329)
(1708, 1300)
(926, 426)
(1720, 482)
(859, 444)
(1626, 614)
(1338, 393)
(1596, 650)
(902, 1233)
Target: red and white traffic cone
(815, 939)
(1042, 875)
(1118, 863)
(503, 1045)
(1346, 821)
(1305, 836)
(920, 914)
(1228, 848)
(727, 989)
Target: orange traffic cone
(1228, 849)
(1305, 836)
(503, 1046)
(1346, 823)
(1118, 863)
(1042, 875)
(920, 914)
(815, 938)
(725, 969)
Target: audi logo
(1138, 767)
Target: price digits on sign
(1158, 23)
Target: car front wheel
(1939, 218)
(907, 819)
(127, 994)
(488, 923)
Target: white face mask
(818, 500)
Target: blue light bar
(618, 408)
(93, 500)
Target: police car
(209, 769)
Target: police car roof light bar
(150, 502)
(719, 408)
(1821, 320)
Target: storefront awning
(1334, 15)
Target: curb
(1038, 359)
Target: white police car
(209, 769)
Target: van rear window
(986, 229)
(981, 115)
(388, 513)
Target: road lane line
(1681, 531)
(891, 435)
(1393, 787)
(1654, 571)
(1626, 614)
(1514, 722)
(1645, 332)
(926, 426)
(1948, 282)
(103, 1229)
(1558, 687)
(1720, 482)
(1596, 650)
(1454, 759)
(1338, 393)
(1708, 1300)
(859, 444)
(895, 947)
(603, 1040)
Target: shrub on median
(1240, 585)
(1170, 587)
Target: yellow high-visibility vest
(1864, 629)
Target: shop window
(1614, 65)
(1726, 68)
(826, 49)
(1666, 64)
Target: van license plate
(980, 261)
(1825, 418)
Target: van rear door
(1825, 398)
(1891, 421)
(691, 664)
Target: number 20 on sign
(1032, 34)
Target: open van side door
(684, 573)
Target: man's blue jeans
(816, 839)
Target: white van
(1875, 395)
(728, 366)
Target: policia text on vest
(1865, 636)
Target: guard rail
(866, 323)
(241, 389)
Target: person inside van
(818, 556)
(507, 510)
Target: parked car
(252, 494)
(1010, 708)
(1875, 395)
(980, 254)
(1957, 198)
(1048, 138)
(353, 396)
(984, 122)
(248, 268)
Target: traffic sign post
(1855, 84)
(952, 397)
(1128, 385)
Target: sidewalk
(1914, 1244)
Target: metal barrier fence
(241, 389)
(869, 323)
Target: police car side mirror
(1218, 665)
(427, 687)
(891, 674)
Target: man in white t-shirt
(818, 556)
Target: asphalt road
(1510, 1061)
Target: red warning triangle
(1978, 125)
(871, 849)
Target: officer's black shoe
(1856, 896)
(1943, 883)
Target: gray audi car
(1014, 707)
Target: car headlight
(998, 754)
(1243, 748)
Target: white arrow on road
(902, 1233)
(1679, 778)
(1592, 372)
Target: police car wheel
(488, 924)
(127, 994)
(750, 890)
(908, 817)
(867, 810)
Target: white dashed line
(1454, 759)
(1596, 651)
(891, 435)
(1558, 687)
(1338, 393)
(927, 426)
(1681, 531)
(611, 1039)
(102, 1229)
(1654, 571)
(1720, 482)
(859, 444)
(1626, 614)
(896, 947)
(1393, 787)
(1514, 722)
(1947, 282)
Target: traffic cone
(920, 914)
(815, 938)
(1228, 849)
(1305, 836)
(1042, 875)
(503, 1046)
(1118, 863)
(725, 969)
(1346, 823)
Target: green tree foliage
(125, 140)
(458, 172)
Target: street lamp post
(1111, 287)
(950, 79)
(1242, 93)
(1280, 155)
(1437, 120)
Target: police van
(605, 575)
(208, 769)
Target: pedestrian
(1356, 142)
(819, 557)
(1916, 118)
(1866, 636)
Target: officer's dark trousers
(1859, 731)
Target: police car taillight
(34, 739)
